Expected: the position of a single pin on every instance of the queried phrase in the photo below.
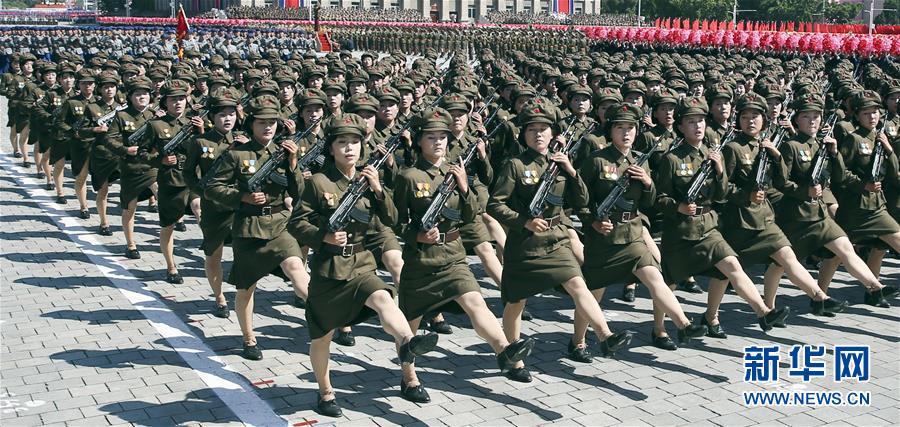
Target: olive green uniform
(72, 131)
(217, 220)
(174, 194)
(138, 171)
(104, 164)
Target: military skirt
(606, 264)
(475, 233)
(810, 237)
(136, 181)
(257, 258)
(59, 150)
(80, 153)
(174, 203)
(381, 240)
(336, 303)
(215, 224)
(103, 169)
(682, 258)
(530, 275)
(865, 227)
(431, 290)
(755, 246)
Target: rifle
(761, 168)
(542, 196)
(612, 199)
(138, 135)
(178, 140)
(817, 173)
(107, 118)
(877, 173)
(314, 155)
(699, 180)
(437, 210)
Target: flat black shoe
(876, 299)
(514, 352)
(299, 302)
(132, 254)
(526, 315)
(415, 394)
(616, 342)
(221, 311)
(441, 327)
(48, 186)
(827, 306)
(628, 295)
(26, 164)
(344, 338)
(519, 375)
(417, 346)
(179, 226)
(691, 331)
(252, 352)
(579, 354)
(60, 200)
(174, 278)
(690, 287)
(890, 291)
(663, 342)
(38, 175)
(713, 331)
(17, 155)
(328, 408)
(777, 315)
(84, 214)
(153, 208)
(105, 231)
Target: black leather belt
(254, 210)
(623, 216)
(447, 237)
(554, 221)
(345, 250)
(702, 210)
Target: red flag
(181, 30)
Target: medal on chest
(746, 159)
(79, 111)
(207, 152)
(864, 148)
(529, 177)
(423, 189)
(610, 172)
(330, 200)
(166, 133)
(805, 155)
(302, 150)
(129, 126)
(685, 169)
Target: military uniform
(71, 128)
(138, 172)
(104, 164)
(217, 220)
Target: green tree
(889, 17)
(112, 7)
(842, 13)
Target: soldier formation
(525, 17)
(558, 162)
(325, 14)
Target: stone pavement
(91, 338)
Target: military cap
(265, 87)
(578, 89)
(220, 79)
(376, 73)
(808, 102)
(157, 73)
(404, 84)
(433, 120)
(565, 82)
(613, 80)
(456, 101)
(751, 101)
(314, 71)
(663, 96)
(65, 69)
(523, 89)
(719, 90)
(387, 93)
(345, 124)
(192, 53)
(362, 102)
(358, 76)
(262, 63)
(770, 91)
(185, 75)
(536, 111)
(334, 84)
(130, 69)
(254, 56)
(624, 112)
(85, 76)
(691, 106)
(284, 77)
(890, 87)
(651, 77)
(311, 96)
(216, 61)
(139, 82)
(865, 99)
(677, 85)
(226, 97)
(263, 107)
(202, 75)
(239, 65)
(634, 86)
(175, 88)
(48, 67)
(110, 65)
(252, 74)
(107, 77)
(607, 94)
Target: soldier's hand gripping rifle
(698, 182)
(612, 199)
(548, 178)
(820, 165)
(181, 137)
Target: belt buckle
(347, 250)
(442, 238)
(626, 216)
(266, 210)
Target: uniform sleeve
(221, 188)
(733, 194)
(468, 205)
(589, 174)
(306, 224)
(781, 177)
(401, 200)
(665, 196)
(499, 205)
(648, 195)
(849, 181)
(114, 138)
(576, 191)
(387, 212)
(41, 112)
(61, 121)
(192, 166)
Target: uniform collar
(541, 159)
(429, 167)
(337, 176)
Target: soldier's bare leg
(857, 268)
(167, 247)
(45, 166)
(38, 157)
(58, 168)
(742, 284)
(489, 260)
(409, 369)
(512, 322)
(294, 268)
(12, 138)
(128, 224)
(81, 187)
(483, 321)
(195, 208)
(101, 204)
(212, 266)
(393, 261)
(663, 297)
(828, 267)
(319, 355)
(495, 229)
(580, 323)
(243, 306)
(23, 143)
(587, 304)
(577, 246)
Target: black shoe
(221, 311)
(519, 375)
(580, 354)
(84, 214)
(514, 352)
(663, 342)
(417, 346)
(26, 164)
(713, 331)
(17, 155)
(179, 226)
(344, 338)
(48, 186)
(299, 302)
(174, 278)
(826, 307)
(628, 295)
(105, 231)
(153, 208)
(251, 352)
(526, 315)
(38, 175)
(132, 253)
(440, 327)
(691, 331)
(614, 343)
(60, 200)
(415, 394)
(890, 291)
(328, 408)
(777, 315)
(876, 299)
(690, 287)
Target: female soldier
(538, 255)
(344, 289)
(217, 220)
(138, 173)
(103, 164)
(862, 210)
(259, 239)
(435, 275)
(615, 248)
(175, 197)
(749, 225)
(68, 123)
(691, 244)
(803, 213)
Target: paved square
(91, 338)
